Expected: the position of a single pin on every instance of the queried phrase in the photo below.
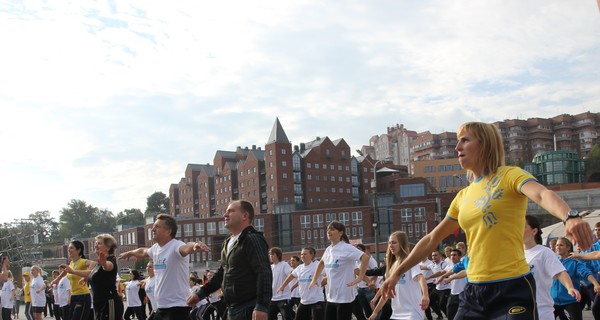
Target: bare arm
(287, 280)
(318, 271)
(425, 298)
(137, 253)
(422, 249)
(594, 255)
(576, 229)
(364, 263)
(192, 247)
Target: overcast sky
(108, 101)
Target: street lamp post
(375, 209)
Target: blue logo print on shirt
(489, 218)
(402, 279)
(160, 265)
(333, 265)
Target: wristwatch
(571, 214)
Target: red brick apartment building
(296, 191)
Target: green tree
(47, 225)
(79, 219)
(592, 164)
(130, 217)
(158, 202)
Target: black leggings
(315, 311)
(573, 309)
(338, 311)
(139, 313)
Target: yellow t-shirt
(27, 291)
(77, 288)
(491, 211)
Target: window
(419, 214)
(283, 151)
(199, 229)
(317, 166)
(344, 218)
(211, 228)
(284, 175)
(318, 221)
(412, 190)
(329, 217)
(222, 229)
(188, 230)
(259, 224)
(406, 214)
(284, 163)
(357, 218)
(308, 165)
(304, 222)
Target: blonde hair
(390, 258)
(108, 241)
(491, 150)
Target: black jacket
(245, 274)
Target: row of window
(406, 214)
(309, 165)
(204, 228)
(417, 229)
(307, 236)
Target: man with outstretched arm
(171, 268)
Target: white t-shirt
(405, 305)
(7, 297)
(38, 299)
(132, 290)
(195, 289)
(440, 267)
(150, 284)
(280, 271)
(171, 273)
(429, 264)
(544, 265)
(340, 262)
(64, 292)
(457, 285)
(372, 265)
(304, 274)
(295, 292)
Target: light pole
(375, 209)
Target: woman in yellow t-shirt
(27, 295)
(491, 211)
(81, 300)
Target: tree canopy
(592, 164)
(130, 217)
(157, 203)
(79, 219)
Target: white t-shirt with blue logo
(38, 299)
(406, 303)
(281, 271)
(304, 274)
(340, 261)
(544, 265)
(6, 297)
(171, 273)
(63, 292)
(149, 288)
